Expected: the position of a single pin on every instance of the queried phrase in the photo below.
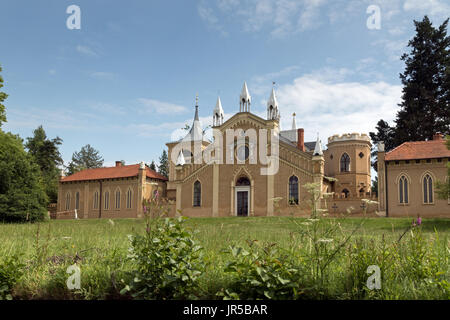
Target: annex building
(407, 177)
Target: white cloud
(161, 107)
(279, 17)
(328, 106)
(432, 7)
(99, 75)
(85, 50)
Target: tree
(164, 164)
(385, 134)
(425, 106)
(3, 96)
(443, 187)
(86, 158)
(22, 195)
(46, 154)
(152, 165)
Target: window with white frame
(427, 185)
(403, 195)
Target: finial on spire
(245, 99)
(218, 113)
(318, 147)
(196, 99)
(272, 107)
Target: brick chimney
(438, 136)
(301, 139)
(118, 163)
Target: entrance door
(242, 203)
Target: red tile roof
(419, 150)
(112, 172)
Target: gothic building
(252, 168)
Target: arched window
(67, 201)
(361, 192)
(242, 181)
(129, 197)
(403, 190)
(106, 206)
(346, 193)
(96, 200)
(345, 163)
(197, 193)
(77, 200)
(293, 190)
(427, 189)
(117, 202)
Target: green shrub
(168, 261)
(10, 272)
(261, 272)
(22, 195)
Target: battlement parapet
(349, 137)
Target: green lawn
(100, 248)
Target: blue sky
(126, 81)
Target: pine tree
(164, 164)
(3, 96)
(86, 158)
(46, 154)
(384, 133)
(425, 108)
(152, 165)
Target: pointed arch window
(293, 190)
(106, 205)
(403, 195)
(77, 201)
(129, 197)
(345, 163)
(117, 200)
(427, 185)
(197, 193)
(67, 201)
(96, 200)
(346, 193)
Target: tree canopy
(22, 195)
(425, 106)
(86, 158)
(3, 97)
(163, 167)
(46, 154)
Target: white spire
(218, 113)
(196, 132)
(272, 107)
(180, 159)
(318, 148)
(245, 99)
(294, 124)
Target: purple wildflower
(419, 221)
(145, 209)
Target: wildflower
(145, 209)
(419, 221)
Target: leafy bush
(168, 261)
(261, 272)
(10, 273)
(22, 196)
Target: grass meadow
(418, 267)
